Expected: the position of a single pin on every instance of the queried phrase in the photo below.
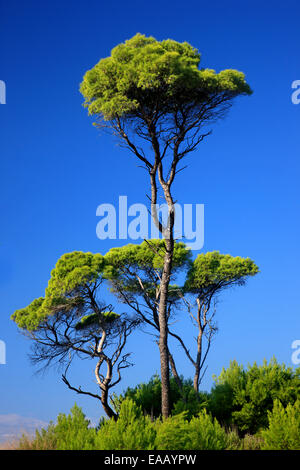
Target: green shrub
(71, 432)
(171, 433)
(221, 402)
(258, 407)
(200, 433)
(147, 396)
(284, 428)
(132, 430)
(192, 402)
(243, 397)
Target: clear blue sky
(56, 169)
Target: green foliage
(147, 396)
(143, 73)
(221, 402)
(135, 431)
(148, 255)
(71, 432)
(190, 401)
(135, 269)
(283, 432)
(214, 270)
(73, 272)
(172, 433)
(93, 319)
(132, 430)
(31, 316)
(200, 433)
(192, 426)
(243, 397)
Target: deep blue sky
(56, 169)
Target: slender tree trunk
(163, 335)
(104, 400)
(198, 360)
(163, 318)
(104, 382)
(167, 269)
(163, 297)
(174, 371)
(196, 378)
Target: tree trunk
(163, 328)
(104, 383)
(104, 400)
(166, 274)
(198, 359)
(196, 378)
(174, 371)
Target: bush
(284, 428)
(171, 434)
(71, 432)
(246, 410)
(244, 397)
(200, 433)
(147, 396)
(132, 430)
(192, 402)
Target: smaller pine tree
(283, 432)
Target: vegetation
(70, 432)
(284, 427)
(243, 398)
(200, 427)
